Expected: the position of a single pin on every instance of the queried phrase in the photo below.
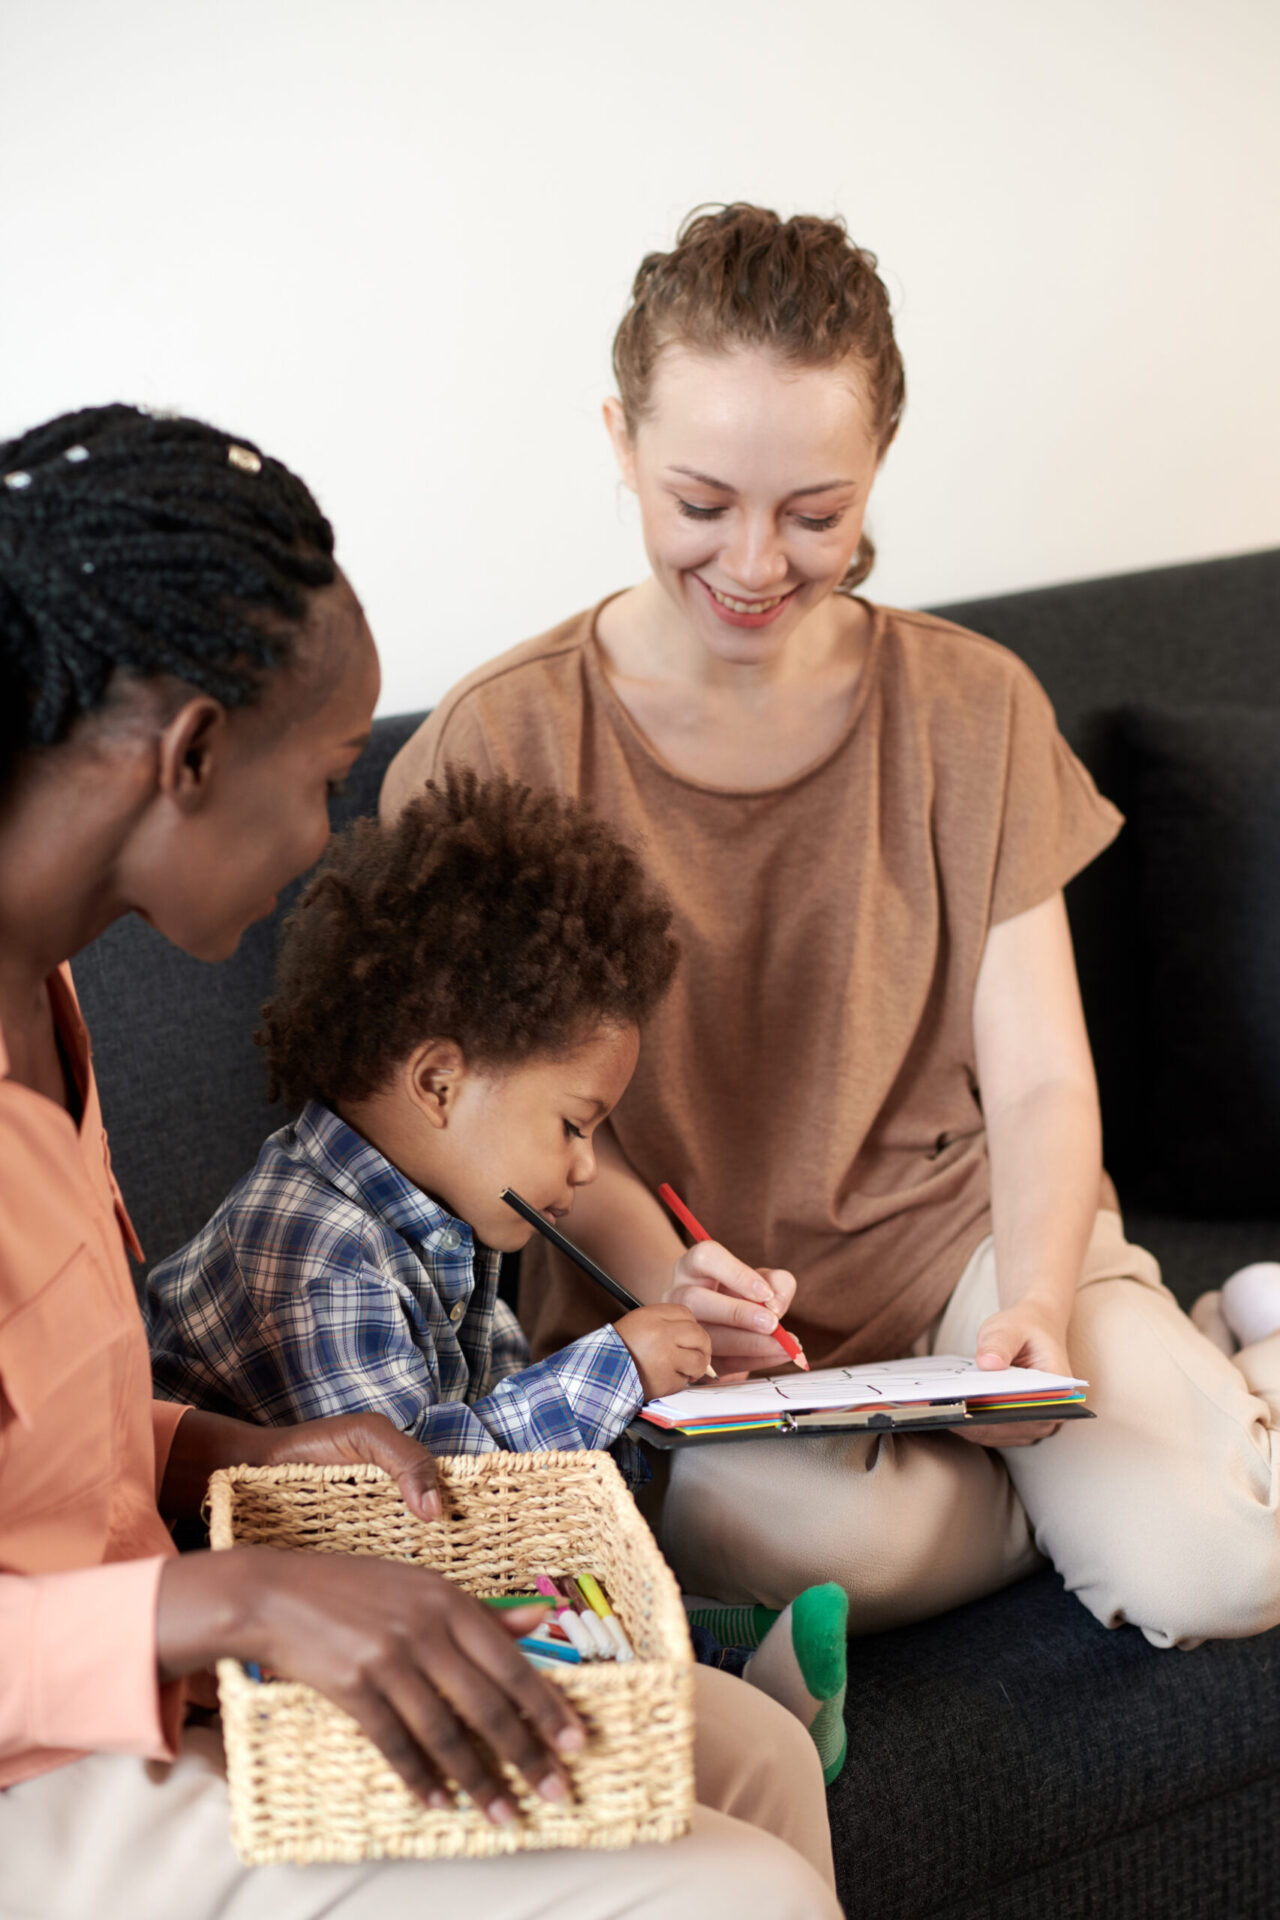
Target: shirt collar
(69, 1022)
(348, 1162)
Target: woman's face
(210, 856)
(753, 479)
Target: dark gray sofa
(1012, 1758)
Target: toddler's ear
(431, 1078)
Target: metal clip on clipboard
(936, 1413)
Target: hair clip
(245, 458)
(76, 454)
(17, 480)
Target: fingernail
(431, 1506)
(764, 1322)
(552, 1788)
(570, 1740)
(501, 1812)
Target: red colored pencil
(787, 1341)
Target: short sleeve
(1054, 820)
(452, 734)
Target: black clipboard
(859, 1420)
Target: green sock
(803, 1663)
(732, 1626)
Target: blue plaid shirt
(327, 1283)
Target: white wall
(391, 239)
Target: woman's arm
(204, 1442)
(1044, 1134)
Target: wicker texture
(306, 1783)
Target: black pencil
(579, 1258)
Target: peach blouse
(83, 1446)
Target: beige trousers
(1163, 1512)
(113, 1838)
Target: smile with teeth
(745, 606)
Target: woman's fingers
(492, 1715)
(370, 1439)
(490, 1642)
(410, 1733)
(541, 1720)
(782, 1288)
(737, 1366)
(732, 1345)
(465, 1700)
(717, 1309)
(444, 1730)
(713, 1265)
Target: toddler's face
(530, 1127)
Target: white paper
(940, 1376)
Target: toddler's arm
(319, 1326)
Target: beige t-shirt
(809, 1086)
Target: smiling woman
(872, 1076)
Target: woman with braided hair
(184, 672)
(872, 1078)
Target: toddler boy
(458, 1008)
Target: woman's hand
(203, 1442)
(417, 1662)
(359, 1439)
(738, 1305)
(1024, 1335)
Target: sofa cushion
(1014, 1759)
(1204, 799)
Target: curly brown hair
(509, 920)
(740, 276)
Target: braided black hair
(155, 543)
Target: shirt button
(450, 1239)
(457, 1310)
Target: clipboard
(868, 1420)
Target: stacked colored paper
(940, 1380)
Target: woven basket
(306, 1783)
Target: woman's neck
(739, 725)
(60, 834)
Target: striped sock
(803, 1663)
(732, 1626)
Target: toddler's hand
(739, 1305)
(669, 1348)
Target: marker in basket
(567, 1620)
(549, 1650)
(579, 1258)
(602, 1647)
(593, 1594)
(787, 1341)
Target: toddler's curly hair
(509, 920)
